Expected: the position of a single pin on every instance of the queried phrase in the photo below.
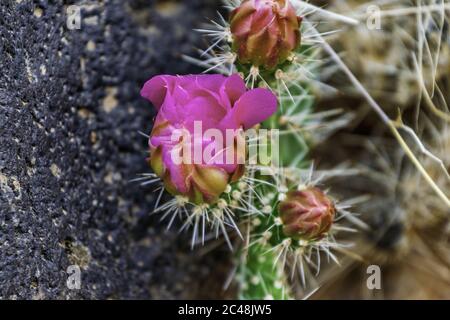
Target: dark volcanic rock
(70, 113)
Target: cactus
(281, 210)
(270, 254)
(270, 257)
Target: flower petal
(155, 89)
(233, 88)
(211, 82)
(240, 19)
(253, 107)
(205, 110)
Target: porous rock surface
(70, 113)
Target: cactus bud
(265, 32)
(307, 214)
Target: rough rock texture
(70, 113)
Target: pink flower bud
(214, 102)
(307, 214)
(265, 32)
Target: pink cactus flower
(265, 32)
(215, 102)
